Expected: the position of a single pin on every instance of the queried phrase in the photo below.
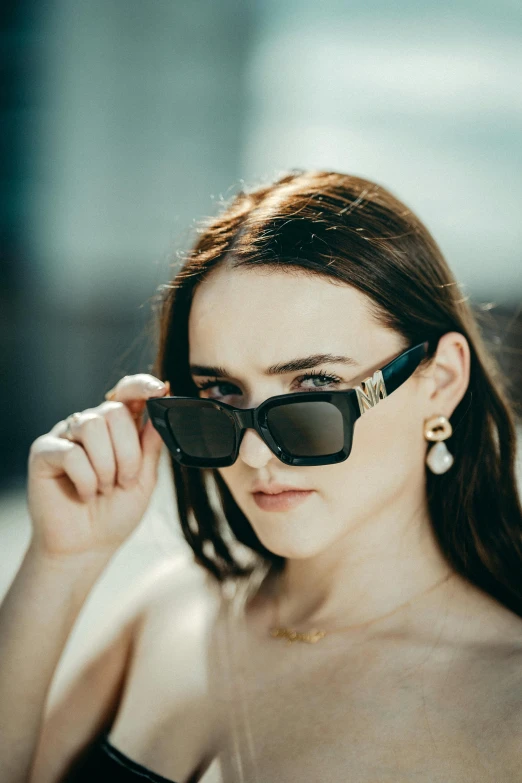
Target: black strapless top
(104, 762)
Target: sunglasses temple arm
(399, 370)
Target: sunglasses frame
(351, 403)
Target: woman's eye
(318, 380)
(223, 388)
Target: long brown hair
(356, 231)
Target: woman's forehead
(278, 295)
(265, 316)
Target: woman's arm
(90, 480)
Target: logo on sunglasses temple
(371, 391)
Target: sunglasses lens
(307, 429)
(201, 429)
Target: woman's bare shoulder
(176, 587)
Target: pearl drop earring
(438, 459)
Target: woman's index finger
(138, 387)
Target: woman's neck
(370, 574)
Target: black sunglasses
(302, 428)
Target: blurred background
(124, 121)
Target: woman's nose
(253, 450)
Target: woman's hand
(87, 495)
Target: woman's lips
(282, 501)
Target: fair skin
(368, 514)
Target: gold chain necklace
(314, 635)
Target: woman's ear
(448, 374)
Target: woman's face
(247, 320)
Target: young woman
(343, 455)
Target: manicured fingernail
(154, 385)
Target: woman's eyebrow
(305, 363)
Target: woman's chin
(291, 542)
